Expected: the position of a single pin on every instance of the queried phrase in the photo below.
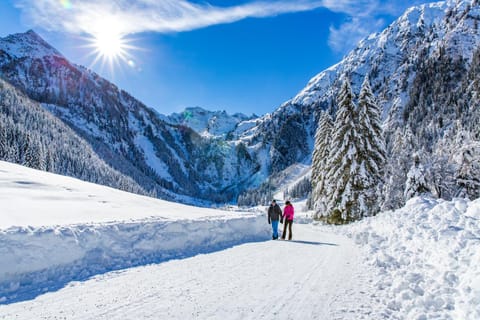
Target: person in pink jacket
(288, 213)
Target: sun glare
(110, 47)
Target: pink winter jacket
(288, 212)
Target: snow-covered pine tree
(400, 148)
(319, 164)
(416, 183)
(372, 156)
(299, 190)
(472, 90)
(468, 161)
(343, 163)
(442, 167)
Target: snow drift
(35, 260)
(427, 255)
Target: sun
(109, 46)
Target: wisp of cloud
(126, 17)
(129, 17)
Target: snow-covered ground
(55, 229)
(74, 250)
(314, 277)
(426, 258)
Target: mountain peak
(30, 32)
(27, 44)
(207, 122)
(428, 27)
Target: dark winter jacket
(274, 213)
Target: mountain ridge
(164, 158)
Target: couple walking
(275, 215)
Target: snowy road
(316, 276)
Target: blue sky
(240, 56)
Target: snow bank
(35, 260)
(55, 229)
(428, 258)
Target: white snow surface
(301, 279)
(30, 45)
(426, 258)
(150, 157)
(32, 199)
(55, 229)
(75, 250)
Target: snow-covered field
(74, 250)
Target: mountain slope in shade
(31, 136)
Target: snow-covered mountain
(208, 123)
(31, 136)
(168, 160)
(392, 60)
(423, 69)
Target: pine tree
(468, 172)
(3, 139)
(442, 168)
(300, 190)
(319, 164)
(402, 145)
(416, 180)
(372, 156)
(342, 164)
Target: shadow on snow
(28, 286)
(315, 243)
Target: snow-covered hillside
(393, 53)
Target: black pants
(289, 224)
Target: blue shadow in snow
(313, 243)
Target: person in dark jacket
(274, 216)
(288, 213)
